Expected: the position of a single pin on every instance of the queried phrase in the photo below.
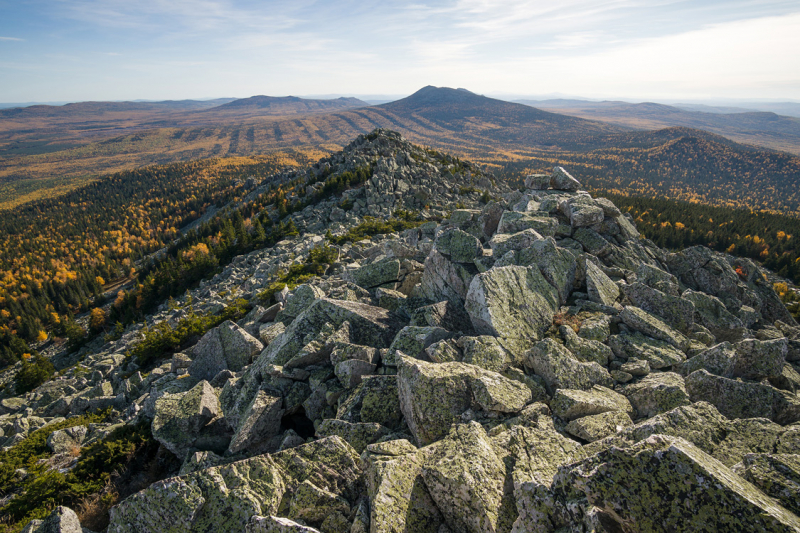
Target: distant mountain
(468, 114)
(288, 105)
(85, 109)
(754, 127)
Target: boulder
(357, 435)
(511, 302)
(465, 479)
(514, 222)
(445, 314)
(412, 341)
(656, 393)
(712, 314)
(261, 420)
(741, 399)
(226, 347)
(180, 418)
(484, 351)
(599, 286)
(375, 399)
(351, 371)
(502, 243)
(561, 180)
(225, 498)
(60, 520)
(67, 440)
(556, 264)
(586, 350)
(561, 370)
(693, 491)
(652, 326)
(777, 475)
(571, 404)
(375, 274)
(434, 396)
(676, 312)
(757, 359)
(719, 359)
(459, 246)
(595, 427)
(399, 499)
(658, 354)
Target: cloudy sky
(71, 50)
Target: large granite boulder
(512, 302)
(433, 396)
(226, 347)
(667, 484)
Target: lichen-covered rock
(375, 274)
(299, 300)
(67, 440)
(465, 479)
(741, 399)
(412, 341)
(571, 404)
(586, 350)
(312, 504)
(599, 286)
(180, 418)
(484, 351)
(658, 354)
(675, 311)
(443, 279)
(375, 399)
(262, 420)
(595, 427)
(399, 500)
(719, 359)
(514, 221)
(351, 371)
(652, 326)
(459, 246)
(368, 326)
(711, 312)
(502, 243)
(357, 435)
(556, 264)
(224, 498)
(445, 314)
(667, 484)
(561, 370)
(512, 302)
(434, 396)
(561, 180)
(60, 520)
(226, 347)
(757, 359)
(777, 475)
(656, 393)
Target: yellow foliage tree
(41, 336)
(97, 318)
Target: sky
(78, 50)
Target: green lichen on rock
(656, 393)
(513, 302)
(667, 484)
(571, 404)
(561, 370)
(595, 427)
(778, 475)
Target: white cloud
(11, 39)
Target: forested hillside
(59, 254)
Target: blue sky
(72, 50)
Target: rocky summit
(511, 361)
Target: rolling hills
(758, 128)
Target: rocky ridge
(522, 361)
